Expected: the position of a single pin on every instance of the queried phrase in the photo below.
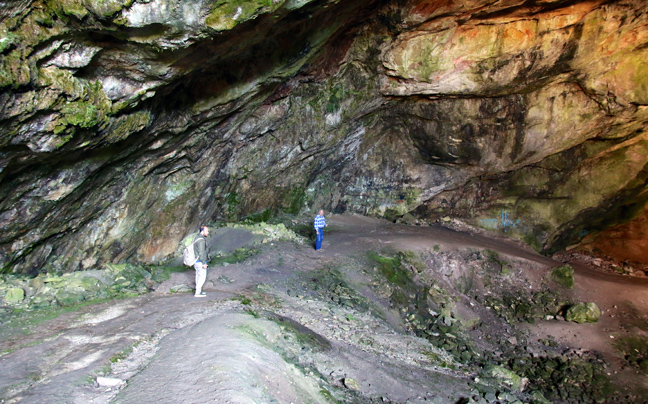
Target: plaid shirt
(319, 222)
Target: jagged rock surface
(124, 124)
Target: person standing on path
(320, 223)
(200, 248)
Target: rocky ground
(385, 313)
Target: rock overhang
(475, 110)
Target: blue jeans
(319, 238)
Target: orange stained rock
(516, 36)
(435, 7)
(626, 242)
(153, 250)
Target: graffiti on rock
(503, 222)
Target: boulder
(351, 384)
(408, 219)
(36, 284)
(41, 300)
(506, 376)
(65, 298)
(583, 313)
(563, 275)
(539, 398)
(181, 289)
(109, 382)
(14, 295)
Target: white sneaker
(201, 294)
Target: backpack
(189, 255)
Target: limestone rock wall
(125, 124)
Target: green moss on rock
(506, 377)
(14, 295)
(563, 275)
(6, 39)
(82, 114)
(14, 71)
(526, 307)
(634, 349)
(583, 313)
(260, 217)
(61, 80)
(64, 298)
(178, 187)
(293, 200)
(89, 110)
(226, 14)
(69, 8)
(126, 125)
(390, 267)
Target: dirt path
(260, 338)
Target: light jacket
(200, 248)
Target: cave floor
(260, 337)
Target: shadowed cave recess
(126, 124)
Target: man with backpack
(200, 251)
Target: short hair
(202, 228)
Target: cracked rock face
(125, 124)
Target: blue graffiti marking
(504, 222)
